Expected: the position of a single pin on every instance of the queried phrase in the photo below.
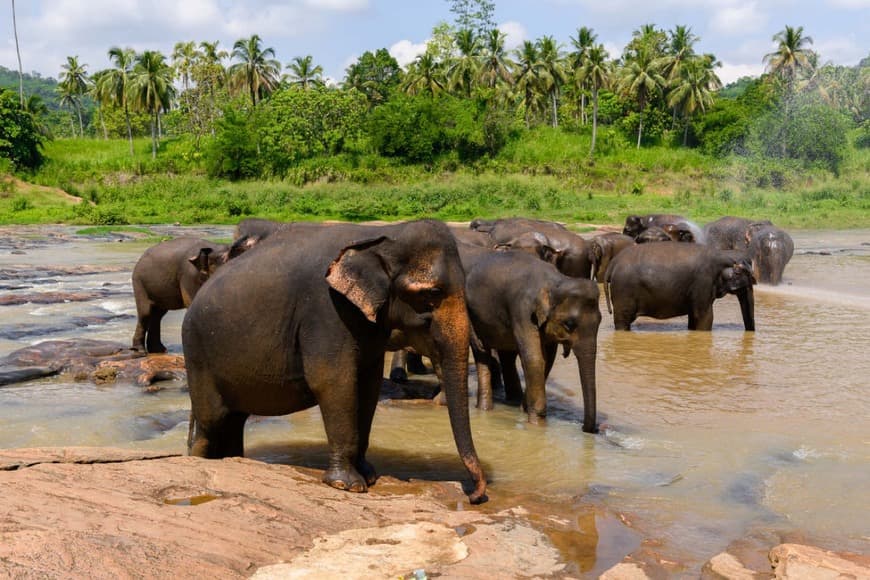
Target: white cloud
(738, 19)
(849, 4)
(338, 5)
(842, 50)
(729, 72)
(406, 51)
(515, 34)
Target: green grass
(546, 174)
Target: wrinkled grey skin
(769, 247)
(677, 227)
(303, 319)
(605, 247)
(668, 279)
(566, 250)
(167, 277)
(521, 306)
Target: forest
(465, 108)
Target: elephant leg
(138, 342)
(533, 360)
(217, 438)
(397, 366)
(338, 395)
(513, 390)
(415, 364)
(623, 317)
(550, 352)
(483, 360)
(369, 392)
(701, 319)
(152, 335)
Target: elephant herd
(295, 315)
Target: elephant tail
(606, 284)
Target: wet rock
(725, 566)
(94, 512)
(56, 297)
(625, 571)
(796, 561)
(97, 360)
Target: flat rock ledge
(117, 513)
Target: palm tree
(595, 73)
(71, 100)
(115, 84)
(184, 55)
(529, 70)
(680, 49)
(257, 69)
(694, 88)
(151, 88)
(553, 72)
(464, 70)
(584, 40)
(425, 75)
(99, 95)
(303, 74)
(18, 52)
(640, 79)
(73, 84)
(495, 65)
(791, 55)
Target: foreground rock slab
(98, 513)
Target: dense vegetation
(467, 129)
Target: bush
(20, 139)
(233, 152)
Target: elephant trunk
(450, 331)
(746, 296)
(586, 351)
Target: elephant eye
(570, 325)
(434, 293)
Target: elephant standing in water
(769, 247)
(167, 277)
(303, 319)
(520, 305)
(675, 227)
(669, 279)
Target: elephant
(167, 277)
(570, 253)
(653, 234)
(676, 227)
(604, 248)
(669, 279)
(303, 319)
(769, 247)
(522, 306)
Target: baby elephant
(666, 280)
(167, 277)
(520, 305)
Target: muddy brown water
(710, 439)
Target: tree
(18, 53)
(693, 89)
(184, 55)
(528, 72)
(495, 67)
(582, 43)
(115, 84)
(374, 75)
(304, 74)
(474, 15)
(790, 57)
(100, 97)
(73, 85)
(151, 88)
(257, 70)
(595, 72)
(464, 69)
(20, 138)
(425, 76)
(553, 73)
(640, 79)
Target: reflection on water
(707, 438)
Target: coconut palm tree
(304, 74)
(257, 70)
(495, 66)
(115, 84)
(694, 88)
(184, 55)
(641, 79)
(73, 84)
(18, 53)
(596, 74)
(464, 69)
(791, 56)
(584, 40)
(100, 97)
(554, 74)
(528, 72)
(151, 88)
(425, 75)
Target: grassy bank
(546, 175)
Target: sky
(336, 32)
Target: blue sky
(337, 32)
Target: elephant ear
(200, 261)
(542, 308)
(359, 275)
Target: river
(710, 440)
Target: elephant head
(417, 264)
(534, 243)
(568, 315)
(737, 278)
(207, 261)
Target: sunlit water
(708, 438)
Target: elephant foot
(416, 366)
(367, 470)
(157, 349)
(536, 419)
(345, 480)
(398, 375)
(440, 399)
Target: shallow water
(708, 438)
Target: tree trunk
(594, 120)
(102, 123)
(555, 111)
(583, 118)
(686, 133)
(81, 126)
(129, 128)
(639, 129)
(154, 136)
(18, 52)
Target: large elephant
(570, 253)
(167, 277)
(522, 306)
(303, 319)
(668, 279)
(769, 247)
(605, 247)
(677, 227)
